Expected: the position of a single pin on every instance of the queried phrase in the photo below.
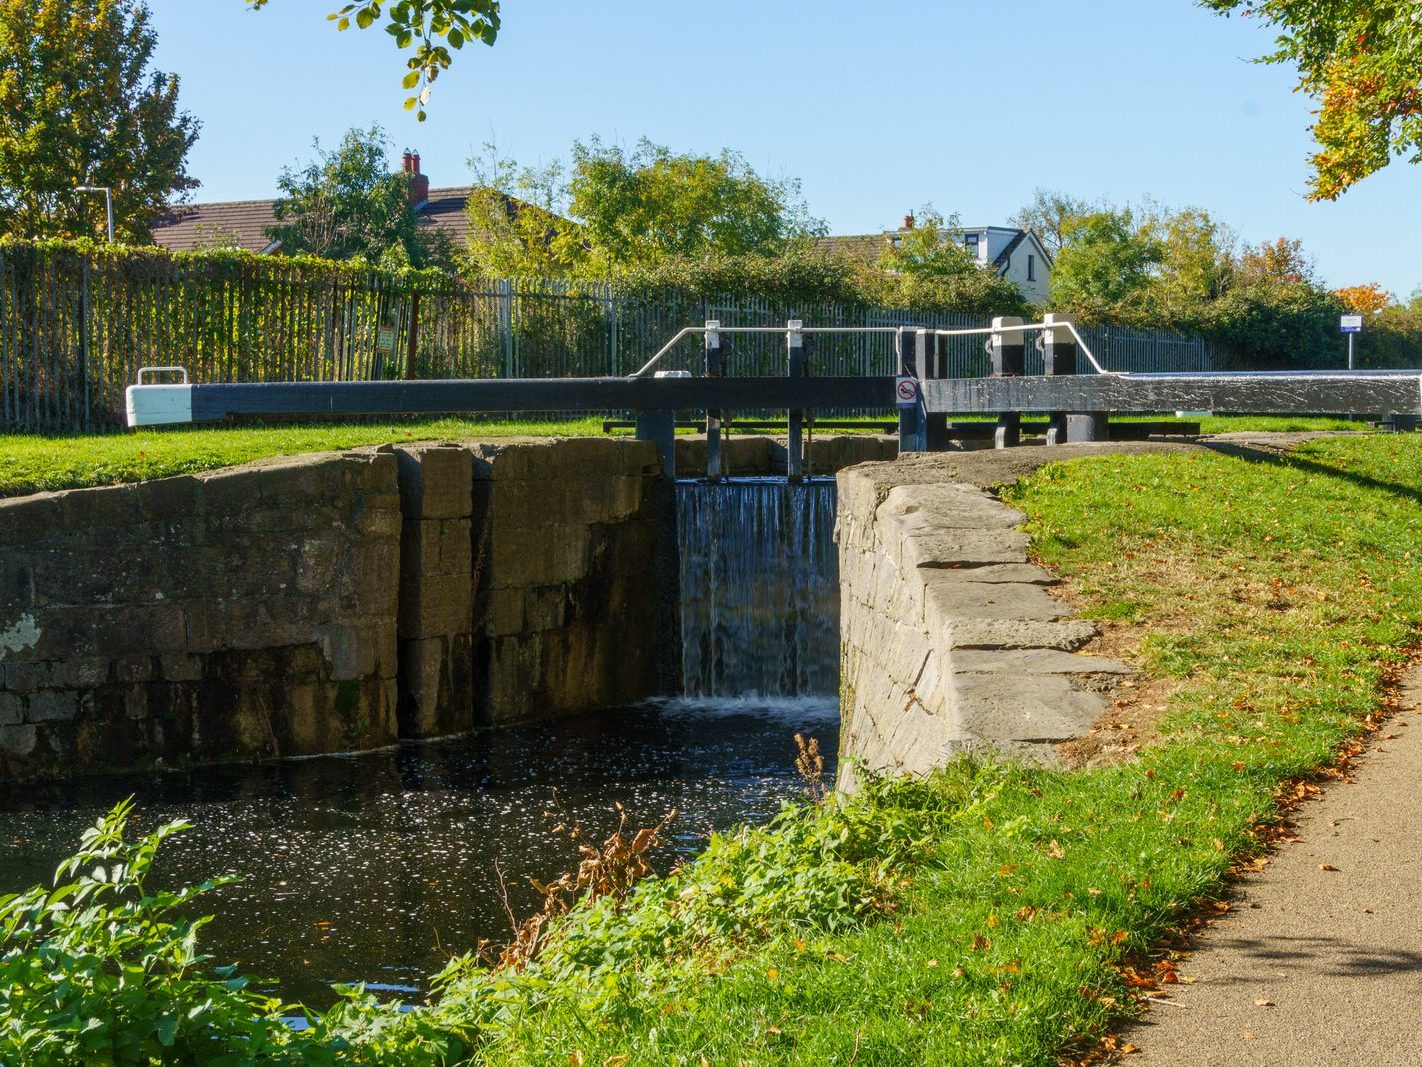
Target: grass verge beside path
(988, 914)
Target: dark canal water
(377, 868)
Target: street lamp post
(108, 202)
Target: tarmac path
(1320, 959)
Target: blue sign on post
(1350, 324)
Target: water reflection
(377, 868)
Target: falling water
(759, 588)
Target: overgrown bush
(101, 969)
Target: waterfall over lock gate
(759, 588)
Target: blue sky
(877, 109)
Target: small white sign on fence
(1350, 324)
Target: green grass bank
(34, 463)
(981, 916)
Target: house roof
(193, 226)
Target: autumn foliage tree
(1366, 299)
(1361, 60)
(80, 105)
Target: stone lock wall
(576, 591)
(332, 603)
(949, 641)
(239, 614)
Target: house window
(1031, 268)
(970, 242)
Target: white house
(1017, 255)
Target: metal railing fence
(75, 328)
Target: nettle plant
(100, 969)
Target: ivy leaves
(429, 29)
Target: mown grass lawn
(993, 913)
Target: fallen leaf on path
(1264, 1002)
(1327, 867)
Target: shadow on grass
(1283, 457)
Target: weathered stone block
(435, 483)
(135, 703)
(434, 608)
(99, 509)
(180, 667)
(12, 709)
(51, 705)
(1025, 707)
(167, 500)
(17, 585)
(18, 741)
(350, 651)
(28, 521)
(1034, 661)
(1067, 635)
(432, 548)
(989, 600)
(503, 612)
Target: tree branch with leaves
(1361, 60)
(427, 29)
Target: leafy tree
(652, 204)
(1361, 60)
(924, 267)
(1276, 314)
(346, 204)
(1197, 263)
(927, 249)
(427, 29)
(1050, 214)
(517, 228)
(610, 210)
(1392, 336)
(80, 106)
(1106, 266)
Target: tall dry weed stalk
(811, 767)
(607, 870)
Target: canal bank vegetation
(990, 914)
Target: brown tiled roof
(858, 248)
(191, 226)
(444, 210)
(194, 226)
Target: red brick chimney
(908, 219)
(419, 183)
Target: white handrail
(970, 331)
(898, 332)
(163, 370)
